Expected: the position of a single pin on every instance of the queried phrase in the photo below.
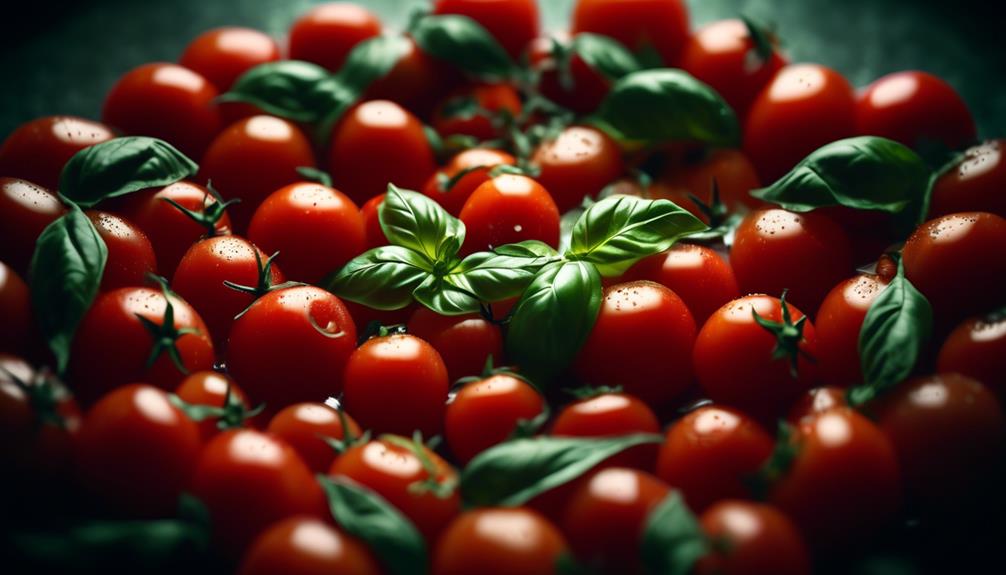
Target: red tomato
(977, 348)
(417, 82)
(486, 412)
(975, 183)
(579, 162)
(756, 539)
(372, 231)
(499, 541)
(816, 401)
(509, 209)
(306, 546)
(804, 107)
(327, 33)
(209, 388)
(464, 342)
(130, 253)
(611, 415)
(476, 163)
(494, 99)
(37, 150)
(733, 172)
(914, 107)
(710, 452)
(136, 450)
(222, 55)
(291, 346)
(837, 326)
(514, 23)
(165, 101)
(589, 86)
(642, 341)
(15, 309)
(397, 384)
(315, 229)
(25, 210)
(303, 425)
(660, 25)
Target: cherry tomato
(372, 231)
(306, 546)
(402, 367)
(130, 253)
(757, 539)
(509, 209)
(303, 425)
(733, 172)
(464, 342)
(610, 414)
(165, 101)
(25, 210)
(514, 23)
(476, 164)
(492, 99)
(222, 55)
(642, 340)
(486, 412)
(710, 452)
(499, 541)
(817, 401)
(579, 162)
(417, 82)
(588, 88)
(15, 308)
(641, 25)
(977, 348)
(37, 150)
(209, 388)
(327, 33)
(136, 450)
(838, 323)
(975, 183)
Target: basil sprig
(673, 540)
(605, 55)
(465, 43)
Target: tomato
(641, 25)
(499, 541)
(464, 342)
(509, 209)
(303, 425)
(697, 274)
(610, 414)
(136, 450)
(514, 23)
(838, 322)
(165, 101)
(130, 253)
(733, 172)
(372, 231)
(486, 412)
(804, 107)
(417, 82)
(391, 467)
(253, 158)
(816, 401)
(844, 482)
(402, 367)
(306, 546)
(476, 164)
(641, 329)
(974, 183)
(25, 210)
(734, 363)
(723, 55)
(588, 88)
(606, 515)
(752, 539)
(327, 33)
(291, 345)
(315, 229)
(363, 316)
(376, 143)
(710, 452)
(222, 55)
(249, 480)
(15, 308)
(977, 348)
(492, 99)
(913, 108)
(776, 250)
(579, 162)
(37, 150)
(112, 323)
(947, 260)
(209, 388)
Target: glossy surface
(660, 25)
(976, 183)
(25, 210)
(130, 253)
(609, 415)
(484, 413)
(579, 162)
(209, 388)
(327, 33)
(977, 348)
(493, 100)
(509, 209)
(221, 55)
(307, 546)
(37, 150)
(15, 308)
(733, 172)
(476, 162)
(838, 323)
(464, 342)
(499, 541)
(757, 540)
(305, 425)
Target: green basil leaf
(299, 91)
(664, 105)
(604, 54)
(121, 166)
(512, 473)
(504, 272)
(526, 249)
(617, 231)
(370, 61)
(673, 539)
(412, 220)
(442, 296)
(382, 278)
(367, 516)
(464, 43)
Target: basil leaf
(66, 271)
(370, 61)
(604, 54)
(382, 278)
(121, 166)
(673, 540)
(442, 296)
(412, 220)
(553, 318)
(512, 473)
(464, 43)
(664, 104)
(526, 249)
(299, 91)
(367, 516)
(504, 272)
(617, 231)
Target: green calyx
(349, 439)
(787, 448)
(231, 415)
(44, 393)
(590, 392)
(210, 213)
(441, 487)
(763, 41)
(264, 284)
(788, 336)
(165, 334)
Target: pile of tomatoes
(469, 299)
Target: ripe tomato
(493, 99)
(222, 55)
(37, 150)
(912, 108)
(315, 229)
(376, 143)
(417, 82)
(589, 86)
(838, 323)
(776, 250)
(136, 450)
(476, 164)
(402, 367)
(327, 33)
(15, 308)
(303, 425)
(464, 342)
(733, 172)
(579, 162)
(166, 101)
(249, 480)
(640, 25)
(373, 234)
(757, 539)
(977, 348)
(642, 341)
(499, 541)
(25, 210)
(130, 253)
(509, 209)
(710, 452)
(975, 183)
(306, 546)
(514, 23)
(610, 414)
(209, 388)
(816, 401)
(804, 107)
(486, 412)
(291, 346)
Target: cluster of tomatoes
(744, 402)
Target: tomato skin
(209, 388)
(279, 357)
(514, 23)
(302, 425)
(406, 368)
(815, 402)
(638, 24)
(610, 415)
(758, 540)
(130, 254)
(708, 454)
(15, 308)
(509, 209)
(493, 98)
(804, 107)
(372, 231)
(136, 450)
(837, 325)
(974, 184)
(37, 150)
(223, 54)
(977, 348)
(165, 101)
(733, 172)
(315, 229)
(327, 33)
(911, 107)
(499, 541)
(25, 211)
(454, 199)
(464, 342)
(589, 86)
(417, 82)
(579, 162)
(306, 546)
(486, 412)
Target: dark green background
(62, 56)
